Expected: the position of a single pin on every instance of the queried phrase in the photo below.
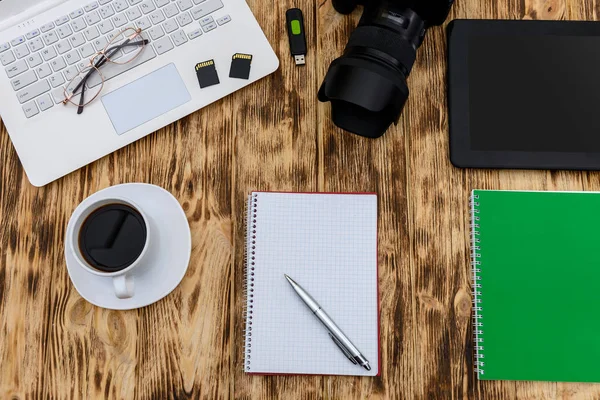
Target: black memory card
(207, 74)
(240, 66)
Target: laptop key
(45, 102)
(63, 47)
(71, 72)
(110, 70)
(7, 57)
(91, 6)
(206, 20)
(91, 33)
(76, 13)
(58, 95)
(92, 18)
(161, 3)
(209, 27)
(206, 8)
(43, 71)
(17, 41)
(35, 44)
(223, 20)
(171, 10)
(77, 40)
(50, 37)
(30, 109)
(170, 26)
(21, 51)
(156, 32)
(163, 45)
(4, 47)
(62, 20)
(87, 50)
(100, 43)
(195, 33)
(48, 53)
(184, 4)
(64, 31)
(32, 34)
(58, 64)
(157, 17)
(105, 27)
(78, 24)
(120, 5)
(184, 19)
(112, 35)
(144, 23)
(72, 57)
(179, 38)
(119, 20)
(17, 68)
(107, 11)
(34, 60)
(46, 27)
(103, 2)
(133, 13)
(33, 91)
(57, 80)
(148, 6)
(24, 80)
(134, 2)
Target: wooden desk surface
(270, 136)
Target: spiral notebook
(328, 244)
(536, 281)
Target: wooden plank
(353, 164)
(275, 149)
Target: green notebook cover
(536, 283)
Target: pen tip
(367, 366)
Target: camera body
(367, 85)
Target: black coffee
(112, 237)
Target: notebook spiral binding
(475, 270)
(249, 264)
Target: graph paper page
(327, 243)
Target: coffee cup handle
(124, 286)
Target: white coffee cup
(123, 280)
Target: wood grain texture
(273, 135)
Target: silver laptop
(44, 45)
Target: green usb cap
(296, 30)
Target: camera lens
(367, 85)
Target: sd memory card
(240, 66)
(207, 74)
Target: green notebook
(536, 284)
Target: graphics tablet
(524, 94)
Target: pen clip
(342, 348)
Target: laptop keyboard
(41, 62)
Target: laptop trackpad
(146, 98)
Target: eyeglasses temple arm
(81, 98)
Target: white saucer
(168, 258)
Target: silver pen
(339, 338)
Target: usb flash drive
(295, 28)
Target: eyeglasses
(124, 47)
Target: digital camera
(367, 85)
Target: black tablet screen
(534, 93)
